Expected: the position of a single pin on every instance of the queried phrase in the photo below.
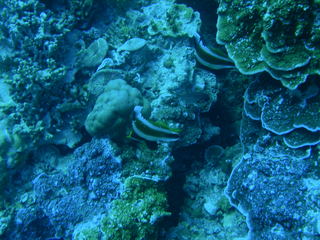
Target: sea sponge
(112, 110)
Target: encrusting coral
(112, 110)
(137, 213)
(269, 186)
(280, 134)
(293, 115)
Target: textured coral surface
(280, 37)
(245, 160)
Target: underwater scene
(159, 120)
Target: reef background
(246, 165)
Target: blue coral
(81, 191)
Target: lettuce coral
(280, 37)
(294, 115)
(268, 185)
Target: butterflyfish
(152, 131)
(213, 58)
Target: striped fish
(151, 131)
(212, 58)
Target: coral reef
(93, 55)
(58, 59)
(137, 213)
(174, 20)
(112, 110)
(206, 212)
(73, 161)
(294, 115)
(81, 189)
(268, 186)
(32, 39)
(273, 184)
(280, 37)
(88, 230)
(163, 69)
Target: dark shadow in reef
(184, 157)
(221, 117)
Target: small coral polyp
(280, 37)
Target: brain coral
(278, 36)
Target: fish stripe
(215, 53)
(211, 65)
(213, 58)
(145, 129)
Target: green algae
(136, 215)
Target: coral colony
(159, 120)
